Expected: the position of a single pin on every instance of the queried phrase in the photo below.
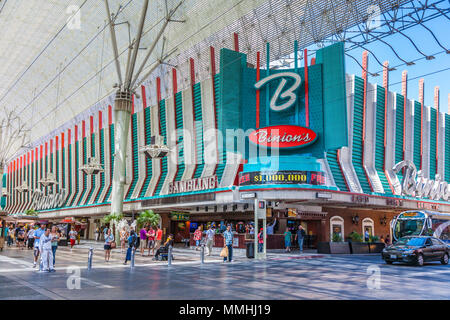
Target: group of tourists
(149, 238)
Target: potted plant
(357, 246)
(375, 246)
(335, 246)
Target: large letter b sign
(288, 93)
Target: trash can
(250, 252)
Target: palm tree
(148, 217)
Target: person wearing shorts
(73, 237)
(109, 238)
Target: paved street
(279, 277)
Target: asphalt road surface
(337, 277)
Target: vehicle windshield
(408, 227)
(411, 242)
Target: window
(369, 226)
(337, 229)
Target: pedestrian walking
(30, 238)
(299, 237)
(10, 238)
(55, 238)
(287, 240)
(73, 236)
(228, 242)
(97, 233)
(21, 238)
(151, 240)
(109, 238)
(143, 239)
(210, 238)
(45, 247)
(37, 236)
(123, 239)
(197, 237)
(132, 241)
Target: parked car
(417, 250)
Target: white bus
(422, 223)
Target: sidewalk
(238, 253)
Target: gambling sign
(282, 177)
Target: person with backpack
(132, 240)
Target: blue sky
(426, 69)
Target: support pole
(122, 112)
(90, 254)
(169, 256)
(202, 254)
(133, 254)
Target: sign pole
(256, 253)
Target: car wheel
(444, 259)
(420, 260)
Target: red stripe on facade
(158, 96)
(100, 121)
(236, 42)
(109, 115)
(174, 92)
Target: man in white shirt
(45, 247)
(210, 239)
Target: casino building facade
(323, 148)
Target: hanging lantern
(157, 149)
(22, 188)
(49, 180)
(92, 167)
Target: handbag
(224, 252)
(113, 245)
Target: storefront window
(368, 225)
(336, 229)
